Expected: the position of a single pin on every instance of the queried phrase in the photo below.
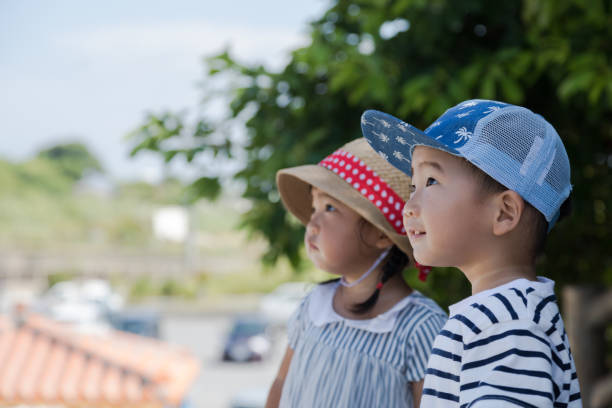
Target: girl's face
(337, 240)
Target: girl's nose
(313, 224)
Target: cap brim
(395, 139)
(294, 186)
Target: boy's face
(445, 214)
(334, 236)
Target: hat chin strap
(346, 284)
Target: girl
(362, 340)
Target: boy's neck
(488, 277)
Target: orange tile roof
(45, 362)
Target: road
(219, 381)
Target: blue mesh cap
(515, 146)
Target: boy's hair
(538, 226)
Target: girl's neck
(375, 266)
(392, 291)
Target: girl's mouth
(311, 245)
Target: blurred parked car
(279, 305)
(144, 322)
(248, 339)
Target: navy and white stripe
(339, 365)
(504, 347)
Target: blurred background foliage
(413, 59)
(62, 196)
(72, 159)
(60, 203)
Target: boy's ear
(508, 209)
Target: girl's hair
(396, 261)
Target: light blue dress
(339, 362)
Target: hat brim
(395, 139)
(294, 186)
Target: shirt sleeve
(510, 364)
(296, 323)
(420, 344)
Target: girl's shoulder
(420, 313)
(317, 296)
(421, 303)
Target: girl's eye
(329, 207)
(411, 188)
(431, 181)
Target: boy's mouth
(412, 233)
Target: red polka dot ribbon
(423, 271)
(365, 180)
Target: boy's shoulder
(520, 304)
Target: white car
(86, 304)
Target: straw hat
(359, 178)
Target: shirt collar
(321, 311)
(541, 285)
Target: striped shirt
(505, 347)
(339, 362)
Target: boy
(489, 181)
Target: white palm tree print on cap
(468, 104)
(399, 156)
(383, 138)
(464, 114)
(384, 123)
(433, 125)
(404, 128)
(401, 140)
(364, 122)
(463, 134)
(492, 109)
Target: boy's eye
(431, 181)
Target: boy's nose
(409, 209)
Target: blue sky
(89, 70)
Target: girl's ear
(508, 209)
(373, 237)
(383, 241)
